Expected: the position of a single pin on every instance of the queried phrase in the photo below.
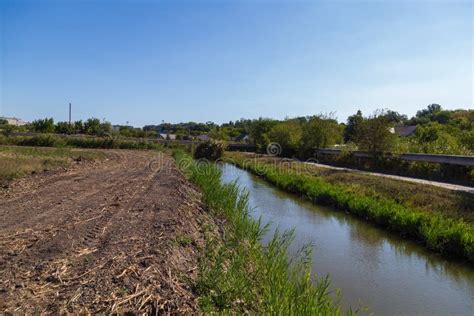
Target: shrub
(42, 141)
(210, 150)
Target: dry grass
(19, 161)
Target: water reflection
(384, 271)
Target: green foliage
(79, 127)
(238, 275)
(353, 123)
(93, 126)
(7, 129)
(434, 138)
(210, 150)
(258, 131)
(128, 131)
(40, 141)
(319, 132)
(439, 233)
(373, 134)
(288, 135)
(44, 125)
(64, 128)
(218, 134)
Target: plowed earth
(115, 236)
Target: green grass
(449, 235)
(18, 161)
(237, 274)
(420, 197)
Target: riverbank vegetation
(237, 274)
(440, 219)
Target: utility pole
(69, 113)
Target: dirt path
(121, 236)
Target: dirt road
(117, 236)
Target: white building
(14, 121)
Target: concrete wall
(445, 159)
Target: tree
(320, 132)
(395, 117)
(435, 138)
(258, 131)
(353, 123)
(64, 128)
(78, 127)
(288, 135)
(93, 126)
(373, 134)
(218, 133)
(429, 111)
(210, 149)
(43, 125)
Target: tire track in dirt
(110, 247)
(73, 194)
(82, 208)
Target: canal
(372, 267)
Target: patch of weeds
(184, 240)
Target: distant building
(14, 121)
(167, 136)
(242, 138)
(203, 137)
(403, 131)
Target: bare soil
(121, 235)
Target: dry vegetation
(119, 236)
(19, 161)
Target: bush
(210, 150)
(41, 141)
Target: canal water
(372, 267)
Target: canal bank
(390, 275)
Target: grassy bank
(237, 274)
(384, 204)
(78, 142)
(18, 161)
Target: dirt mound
(120, 237)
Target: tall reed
(237, 273)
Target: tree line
(437, 131)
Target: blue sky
(148, 61)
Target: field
(120, 234)
(439, 218)
(117, 231)
(19, 161)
